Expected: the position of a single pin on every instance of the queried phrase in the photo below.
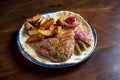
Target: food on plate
(82, 45)
(45, 32)
(52, 27)
(31, 30)
(57, 49)
(47, 29)
(35, 38)
(28, 26)
(60, 22)
(88, 44)
(72, 21)
(57, 30)
(34, 18)
(57, 38)
(77, 48)
(82, 34)
(83, 39)
(47, 24)
(43, 20)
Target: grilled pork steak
(57, 49)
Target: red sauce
(72, 21)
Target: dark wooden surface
(104, 63)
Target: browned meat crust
(57, 49)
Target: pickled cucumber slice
(77, 48)
(88, 44)
(82, 45)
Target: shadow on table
(28, 66)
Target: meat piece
(57, 49)
(66, 45)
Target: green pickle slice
(77, 48)
(82, 45)
(88, 44)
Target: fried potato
(28, 26)
(57, 30)
(34, 18)
(35, 38)
(46, 32)
(52, 27)
(31, 30)
(60, 22)
(47, 24)
(43, 20)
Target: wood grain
(103, 63)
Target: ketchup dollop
(72, 21)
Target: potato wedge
(35, 38)
(45, 32)
(43, 20)
(77, 48)
(60, 22)
(28, 26)
(31, 30)
(52, 27)
(34, 18)
(47, 24)
(57, 30)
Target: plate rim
(28, 57)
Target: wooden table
(104, 63)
